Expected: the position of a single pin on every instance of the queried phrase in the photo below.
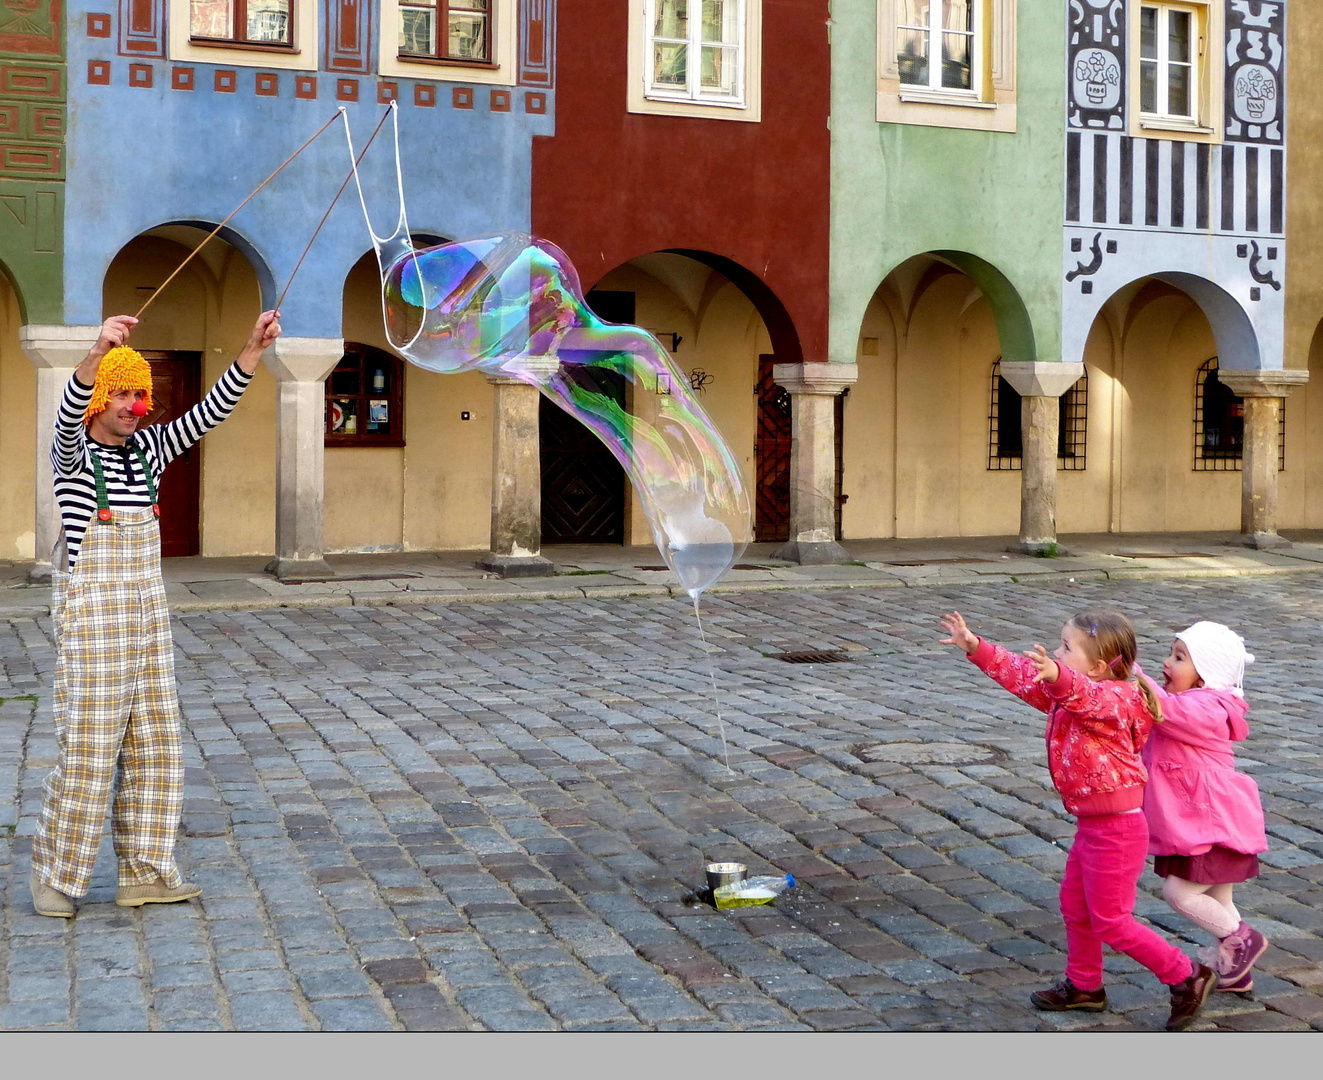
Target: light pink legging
(1207, 906)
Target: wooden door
(583, 486)
(772, 458)
(176, 388)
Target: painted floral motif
(1256, 94)
(1097, 79)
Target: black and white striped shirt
(126, 487)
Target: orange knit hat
(121, 369)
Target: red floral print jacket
(1095, 731)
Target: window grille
(1219, 424)
(1006, 439)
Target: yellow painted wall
(18, 435)
(1301, 492)
(210, 307)
(434, 493)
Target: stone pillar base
(517, 566)
(1038, 548)
(297, 570)
(812, 553)
(1264, 541)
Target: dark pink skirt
(1216, 866)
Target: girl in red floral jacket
(1098, 719)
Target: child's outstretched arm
(1020, 676)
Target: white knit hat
(1218, 654)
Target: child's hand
(1048, 671)
(960, 635)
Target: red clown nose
(140, 408)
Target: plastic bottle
(751, 891)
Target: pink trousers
(1098, 902)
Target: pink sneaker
(1241, 986)
(1241, 948)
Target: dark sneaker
(1243, 985)
(1066, 995)
(1188, 997)
(1242, 949)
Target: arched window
(1219, 424)
(1006, 439)
(365, 398)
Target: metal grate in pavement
(813, 656)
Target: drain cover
(928, 753)
(818, 656)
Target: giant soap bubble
(511, 305)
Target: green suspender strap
(103, 512)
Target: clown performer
(116, 709)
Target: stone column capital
(57, 346)
(1041, 378)
(1274, 384)
(815, 378)
(303, 359)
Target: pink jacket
(1195, 798)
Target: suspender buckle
(105, 515)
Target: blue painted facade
(144, 151)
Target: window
(1005, 426)
(475, 41)
(696, 58)
(246, 22)
(927, 29)
(1219, 424)
(1167, 75)
(695, 50)
(947, 63)
(458, 31)
(365, 399)
(271, 34)
(1173, 85)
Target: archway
(190, 334)
(18, 450)
(722, 325)
(918, 455)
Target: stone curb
(409, 598)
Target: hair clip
(1093, 630)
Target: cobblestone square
(494, 816)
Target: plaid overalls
(116, 709)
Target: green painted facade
(989, 202)
(33, 117)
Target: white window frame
(1207, 68)
(503, 70)
(302, 56)
(935, 31)
(645, 97)
(988, 104)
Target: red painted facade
(752, 198)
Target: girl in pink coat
(1205, 819)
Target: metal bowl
(724, 873)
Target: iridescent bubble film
(512, 305)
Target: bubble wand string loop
(246, 201)
(353, 171)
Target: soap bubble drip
(511, 305)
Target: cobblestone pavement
(489, 815)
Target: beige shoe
(155, 893)
(48, 901)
